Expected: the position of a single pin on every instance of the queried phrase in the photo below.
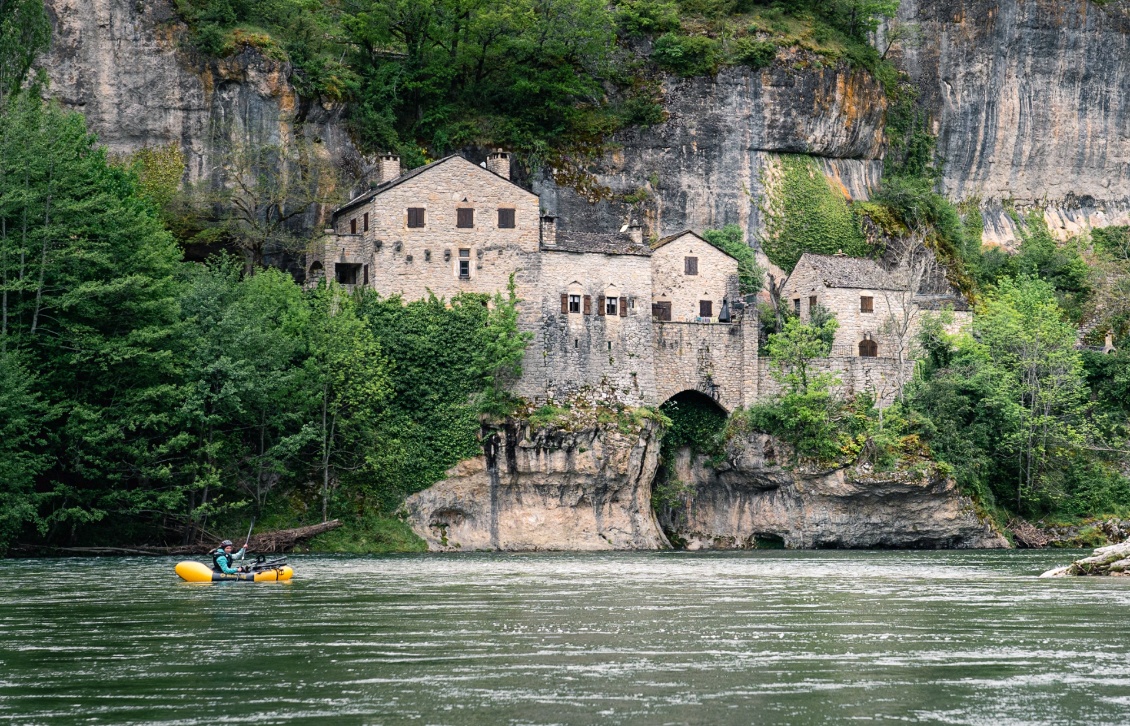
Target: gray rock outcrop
(546, 489)
(1113, 560)
(704, 166)
(750, 499)
(1031, 103)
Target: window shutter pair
(705, 308)
(690, 265)
(415, 216)
(506, 219)
(465, 218)
(866, 304)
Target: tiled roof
(850, 272)
(605, 243)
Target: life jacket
(216, 559)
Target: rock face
(125, 65)
(1031, 104)
(750, 499)
(699, 168)
(546, 489)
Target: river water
(760, 637)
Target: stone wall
(717, 277)
(572, 350)
(717, 359)
(879, 376)
(415, 261)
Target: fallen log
(1112, 560)
(282, 540)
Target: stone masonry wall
(414, 262)
(878, 376)
(717, 276)
(718, 359)
(571, 350)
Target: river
(761, 637)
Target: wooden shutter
(811, 302)
(365, 226)
(623, 307)
(866, 304)
(353, 226)
(690, 265)
(600, 305)
(416, 217)
(465, 218)
(564, 303)
(705, 308)
(588, 304)
(661, 311)
(506, 219)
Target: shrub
(754, 53)
(687, 55)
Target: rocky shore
(1112, 561)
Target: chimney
(548, 229)
(635, 231)
(1108, 344)
(498, 161)
(389, 167)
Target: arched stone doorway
(693, 438)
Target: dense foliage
(751, 278)
(146, 398)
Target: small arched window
(316, 270)
(868, 349)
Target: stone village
(649, 320)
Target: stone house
(692, 279)
(878, 310)
(604, 309)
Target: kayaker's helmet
(226, 543)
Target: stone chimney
(1108, 344)
(389, 167)
(635, 231)
(498, 161)
(548, 229)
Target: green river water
(760, 637)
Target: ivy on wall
(803, 213)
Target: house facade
(604, 309)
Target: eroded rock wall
(546, 489)
(751, 499)
(703, 167)
(1031, 103)
(127, 67)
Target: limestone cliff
(703, 166)
(1031, 103)
(547, 489)
(125, 66)
(750, 498)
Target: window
(464, 264)
(796, 305)
(661, 311)
(690, 265)
(574, 303)
(610, 306)
(811, 303)
(365, 224)
(506, 219)
(705, 308)
(415, 217)
(366, 275)
(353, 226)
(866, 304)
(346, 274)
(465, 218)
(868, 349)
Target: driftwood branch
(282, 540)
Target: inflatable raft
(199, 572)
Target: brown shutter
(600, 305)
(366, 225)
(353, 226)
(564, 303)
(588, 304)
(705, 308)
(623, 307)
(690, 265)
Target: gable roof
(847, 272)
(384, 187)
(672, 237)
(605, 243)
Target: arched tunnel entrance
(698, 424)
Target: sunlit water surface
(617, 638)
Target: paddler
(223, 557)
